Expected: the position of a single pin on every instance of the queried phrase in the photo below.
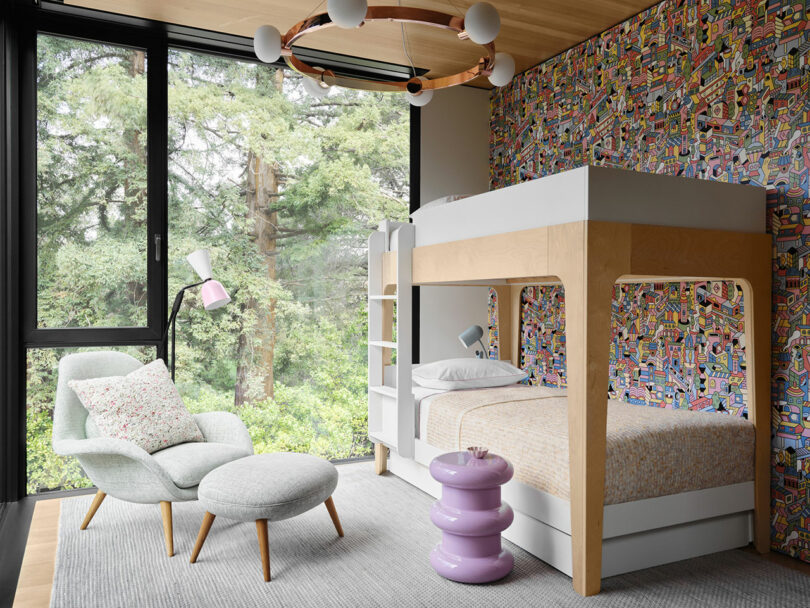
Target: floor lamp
(213, 296)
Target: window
(138, 154)
(283, 189)
(91, 187)
(90, 281)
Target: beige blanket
(650, 451)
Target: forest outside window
(91, 219)
(284, 189)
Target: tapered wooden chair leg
(206, 526)
(168, 535)
(97, 500)
(330, 506)
(264, 547)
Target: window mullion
(158, 170)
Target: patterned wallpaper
(542, 334)
(672, 345)
(705, 89)
(494, 342)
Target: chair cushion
(188, 463)
(268, 486)
(142, 407)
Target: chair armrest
(100, 445)
(122, 469)
(224, 427)
(109, 446)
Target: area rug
(120, 560)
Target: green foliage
(341, 166)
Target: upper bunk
(598, 194)
(645, 226)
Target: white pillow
(454, 374)
(143, 407)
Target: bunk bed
(588, 229)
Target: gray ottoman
(266, 487)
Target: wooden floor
(36, 576)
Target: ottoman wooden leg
(264, 547)
(168, 535)
(330, 506)
(206, 526)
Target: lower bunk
(691, 495)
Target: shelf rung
(383, 438)
(382, 343)
(382, 297)
(388, 391)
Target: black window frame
(49, 24)
(20, 23)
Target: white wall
(454, 160)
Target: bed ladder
(391, 414)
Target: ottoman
(266, 487)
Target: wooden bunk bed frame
(588, 257)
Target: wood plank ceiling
(531, 30)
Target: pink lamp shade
(214, 295)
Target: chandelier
(480, 24)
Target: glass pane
(46, 470)
(284, 190)
(91, 184)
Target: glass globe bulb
(267, 44)
(347, 14)
(503, 71)
(422, 98)
(482, 22)
(316, 87)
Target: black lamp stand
(178, 300)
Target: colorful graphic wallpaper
(708, 90)
(672, 345)
(494, 343)
(542, 334)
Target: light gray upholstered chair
(126, 471)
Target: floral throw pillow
(143, 407)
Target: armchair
(126, 471)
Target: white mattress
(422, 397)
(595, 193)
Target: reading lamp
(469, 336)
(213, 294)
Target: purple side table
(471, 517)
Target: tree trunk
(243, 364)
(134, 189)
(262, 194)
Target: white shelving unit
(391, 415)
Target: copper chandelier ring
(399, 14)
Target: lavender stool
(471, 517)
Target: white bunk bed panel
(637, 535)
(599, 194)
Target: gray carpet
(382, 561)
